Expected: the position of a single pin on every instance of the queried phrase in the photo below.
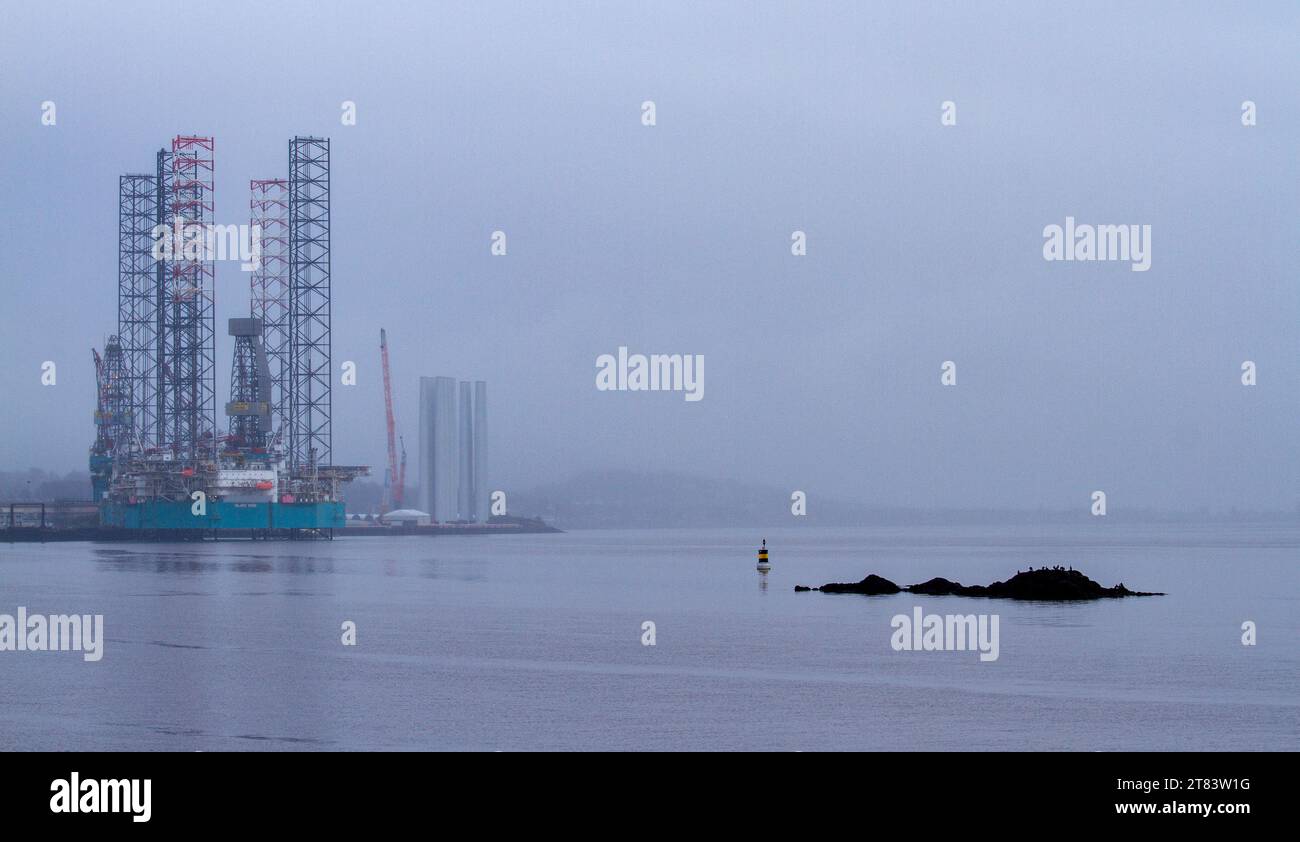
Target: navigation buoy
(763, 565)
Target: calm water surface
(534, 642)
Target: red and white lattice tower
(189, 355)
(269, 212)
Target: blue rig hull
(169, 514)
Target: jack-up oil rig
(159, 461)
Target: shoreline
(113, 534)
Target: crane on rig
(394, 474)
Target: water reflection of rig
(159, 461)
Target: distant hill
(621, 498)
(629, 499)
(37, 486)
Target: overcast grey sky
(822, 373)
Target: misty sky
(822, 372)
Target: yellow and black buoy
(763, 565)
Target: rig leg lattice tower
(189, 359)
(310, 439)
(136, 316)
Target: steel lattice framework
(269, 211)
(310, 440)
(189, 354)
(162, 276)
(156, 414)
(136, 303)
(250, 387)
(112, 409)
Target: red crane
(394, 477)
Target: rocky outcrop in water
(873, 585)
(1055, 584)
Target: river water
(536, 642)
